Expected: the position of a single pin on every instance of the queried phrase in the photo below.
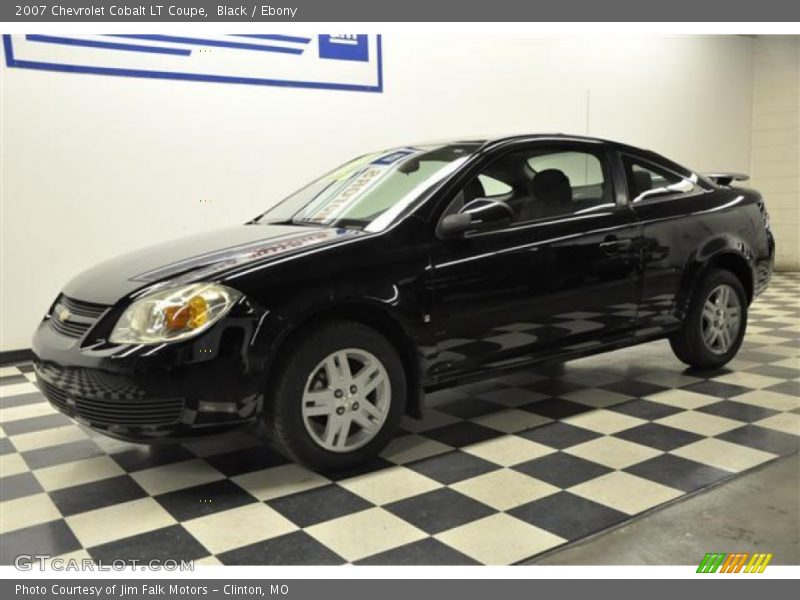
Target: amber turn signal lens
(176, 317)
(191, 315)
(198, 312)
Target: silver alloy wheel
(346, 400)
(721, 319)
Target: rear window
(649, 181)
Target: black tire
(302, 354)
(688, 344)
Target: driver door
(562, 275)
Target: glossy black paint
(457, 308)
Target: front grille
(84, 309)
(114, 412)
(69, 328)
(74, 318)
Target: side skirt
(560, 356)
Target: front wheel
(338, 396)
(715, 323)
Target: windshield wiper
(350, 224)
(354, 224)
(306, 223)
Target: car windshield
(371, 191)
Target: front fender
(389, 313)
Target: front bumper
(152, 393)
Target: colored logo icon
(737, 562)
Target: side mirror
(480, 213)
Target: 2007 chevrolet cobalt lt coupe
(403, 271)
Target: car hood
(203, 256)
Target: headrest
(642, 180)
(551, 186)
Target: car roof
(488, 142)
(566, 137)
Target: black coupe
(400, 272)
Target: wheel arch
(731, 257)
(375, 317)
(738, 265)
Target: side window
(540, 183)
(584, 172)
(646, 180)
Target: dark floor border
(15, 356)
(532, 560)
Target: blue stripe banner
(348, 62)
(69, 41)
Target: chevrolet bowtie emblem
(63, 314)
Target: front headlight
(173, 314)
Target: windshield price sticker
(350, 191)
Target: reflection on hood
(219, 260)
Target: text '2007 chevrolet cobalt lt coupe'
(407, 270)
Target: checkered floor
(497, 472)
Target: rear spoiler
(726, 178)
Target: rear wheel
(715, 323)
(338, 396)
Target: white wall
(93, 166)
(776, 140)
